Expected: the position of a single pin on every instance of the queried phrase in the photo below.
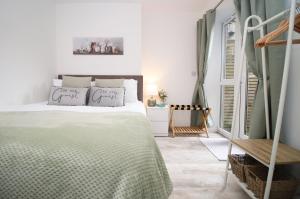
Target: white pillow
(130, 90)
(57, 82)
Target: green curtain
(204, 28)
(275, 61)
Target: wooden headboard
(139, 79)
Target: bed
(80, 152)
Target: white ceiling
(183, 5)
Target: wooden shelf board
(243, 186)
(261, 150)
(196, 130)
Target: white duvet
(138, 107)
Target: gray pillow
(76, 82)
(68, 96)
(109, 97)
(109, 83)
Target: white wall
(169, 51)
(27, 50)
(98, 20)
(291, 125)
(166, 34)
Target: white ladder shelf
(269, 152)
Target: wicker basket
(283, 185)
(238, 164)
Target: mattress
(78, 152)
(137, 107)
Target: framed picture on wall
(98, 46)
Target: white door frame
(233, 82)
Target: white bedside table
(159, 119)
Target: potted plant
(162, 94)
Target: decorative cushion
(68, 96)
(109, 97)
(109, 83)
(76, 82)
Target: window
(227, 92)
(228, 73)
(230, 49)
(251, 88)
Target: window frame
(232, 82)
(224, 82)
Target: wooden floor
(194, 171)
